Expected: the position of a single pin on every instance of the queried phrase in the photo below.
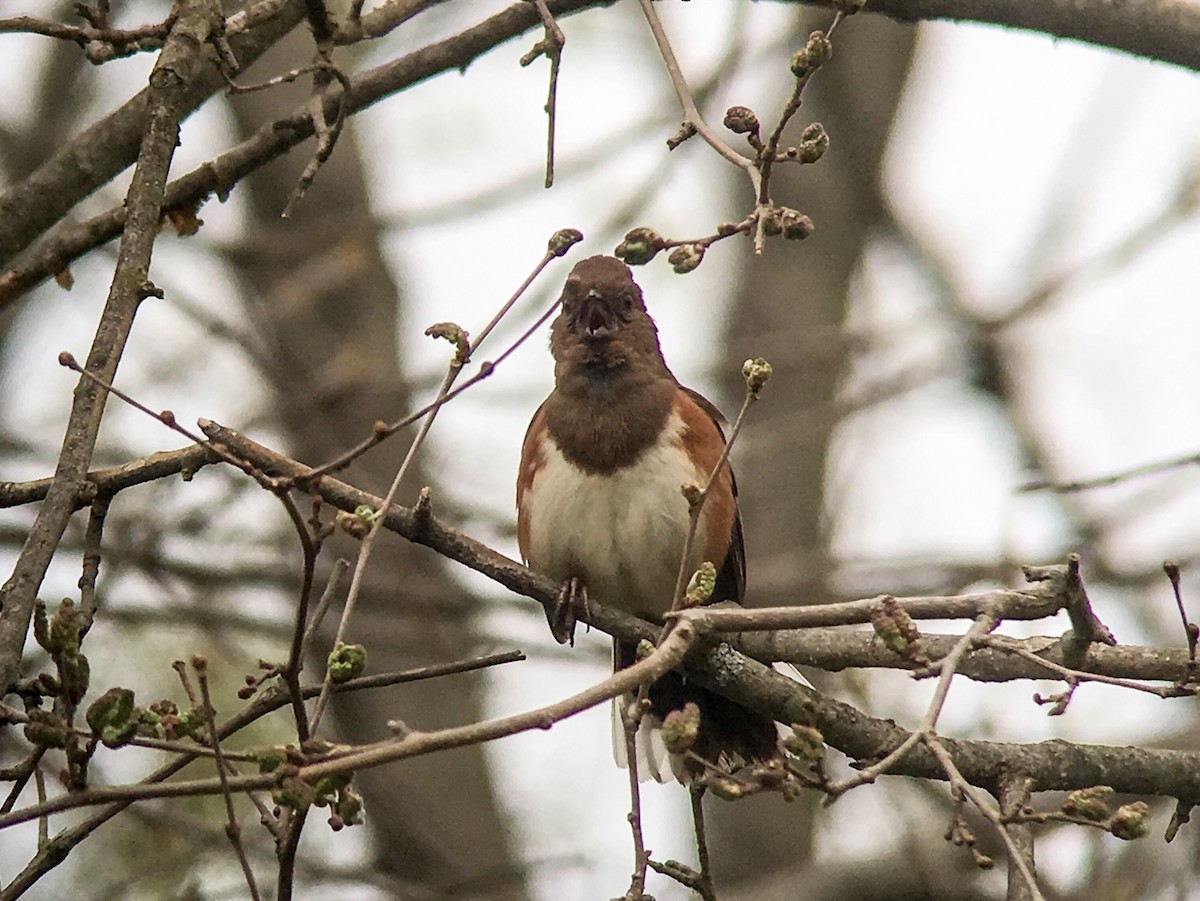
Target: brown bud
(741, 120)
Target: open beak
(596, 319)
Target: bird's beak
(596, 320)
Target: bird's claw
(572, 600)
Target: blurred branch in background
(298, 331)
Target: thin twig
(696, 502)
(1124, 475)
(412, 743)
(948, 667)
(43, 827)
(166, 417)
(339, 569)
(464, 349)
(1190, 629)
(630, 725)
(233, 829)
(551, 46)
(91, 561)
(1013, 795)
(114, 479)
(691, 115)
(368, 542)
(267, 702)
(1015, 856)
(1005, 645)
(770, 150)
(171, 80)
(309, 547)
(559, 244)
(327, 131)
(706, 885)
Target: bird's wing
(731, 577)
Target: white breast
(623, 533)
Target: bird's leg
(572, 600)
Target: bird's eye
(626, 301)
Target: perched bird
(600, 505)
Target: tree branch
(171, 83)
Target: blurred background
(1002, 287)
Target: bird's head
(603, 325)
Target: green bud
(47, 729)
(65, 626)
(849, 7)
(271, 759)
(563, 240)
(112, 717)
(680, 728)
(757, 373)
(819, 49)
(456, 335)
(74, 673)
(289, 789)
(49, 685)
(347, 661)
(1088, 803)
(895, 627)
(686, 258)
(1130, 821)
(327, 788)
(814, 141)
(805, 742)
(701, 585)
(639, 247)
(194, 724)
(149, 724)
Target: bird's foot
(572, 600)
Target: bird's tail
(729, 736)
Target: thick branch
(1167, 30)
(116, 478)
(1053, 765)
(834, 650)
(107, 148)
(170, 88)
(273, 140)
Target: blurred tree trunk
(329, 311)
(789, 307)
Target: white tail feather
(786, 669)
(653, 759)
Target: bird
(601, 507)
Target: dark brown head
(613, 392)
(603, 324)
